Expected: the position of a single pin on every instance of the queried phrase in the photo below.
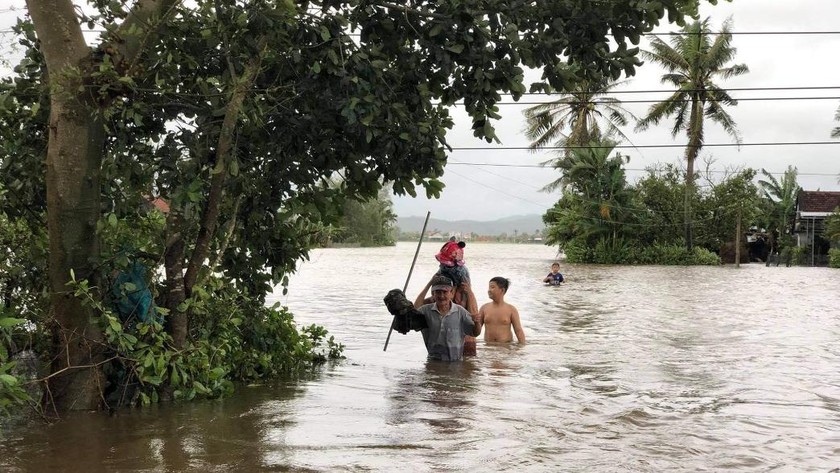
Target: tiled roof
(818, 201)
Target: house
(812, 208)
(158, 203)
(436, 236)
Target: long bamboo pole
(410, 270)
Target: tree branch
(223, 151)
(137, 30)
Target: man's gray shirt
(444, 336)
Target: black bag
(406, 317)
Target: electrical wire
(675, 145)
(539, 166)
(622, 102)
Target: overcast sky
(489, 184)
(488, 188)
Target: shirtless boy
(498, 316)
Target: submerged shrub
(577, 252)
(620, 251)
(233, 339)
(11, 389)
(834, 258)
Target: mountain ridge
(509, 225)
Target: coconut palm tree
(597, 202)
(579, 117)
(694, 60)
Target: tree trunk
(74, 155)
(73, 170)
(175, 294)
(224, 146)
(695, 142)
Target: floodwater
(626, 369)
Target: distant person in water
(452, 264)
(447, 323)
(554, 278)
(499, 317)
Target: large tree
(238, 113)
(368, 223)
(695, 60)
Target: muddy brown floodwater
(626, 369)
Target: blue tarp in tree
(132, 296)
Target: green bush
(834, 258)
(620, 251)
(615, 251)
(11, 390)
(799, 255)
(577, 252)
(704, 257)
(233, 339)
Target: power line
(744, 99)
(708, 145)
(728, 89)
(672, 91)
(743, 33)
(480, 165)
(499, 190)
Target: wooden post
(738, 240)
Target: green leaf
(8, 380)
(153, 380)
(456, 48)
(216, 373)
(10, 322)
(174, 378)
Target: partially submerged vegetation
(233, 118)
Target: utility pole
(738, 240)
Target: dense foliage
(367, 223)
(600, 218)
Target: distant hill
(520, 223)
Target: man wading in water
(447, 323)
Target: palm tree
(577, 118)
(596, 202)
(780, 197)
(693, 61)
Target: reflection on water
(626, 369)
